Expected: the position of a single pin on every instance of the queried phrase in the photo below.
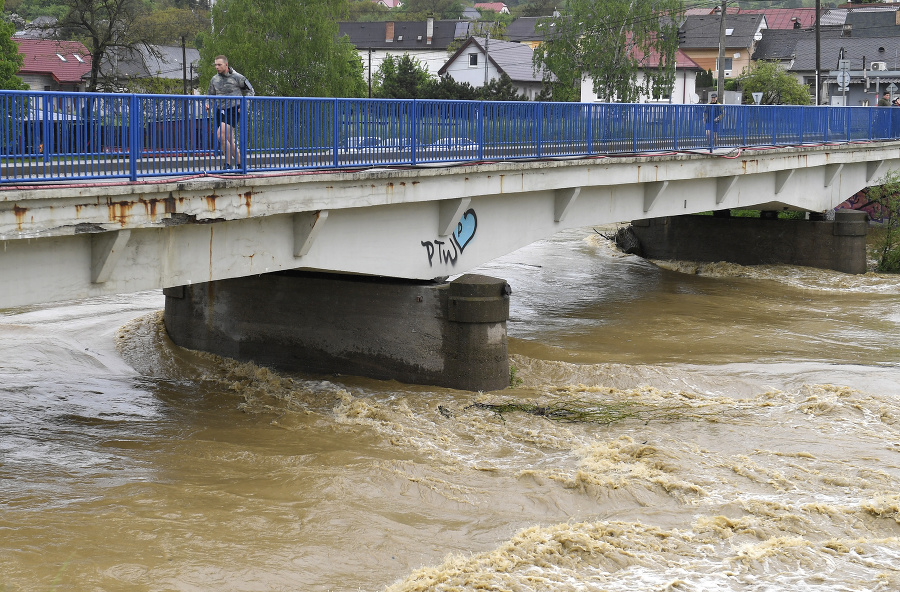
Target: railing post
(590, 128)
(242, 149)
(134, 139)
(849, 122)
(873, 111)
(634, 127)
(539, 128)
(745, 124)
(415, 130)
(45, 132)
(827, 121)
(774, 111)
(673, 113)
(480, 130)
(802, 110)
(334, 131)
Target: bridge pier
(839, 245)
(443, 334)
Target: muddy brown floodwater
(760, 449)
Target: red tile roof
(782, 18)
(42, 57)
(495, 6)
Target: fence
(50, 136)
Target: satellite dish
(757, 36)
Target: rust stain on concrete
(248, 198)
(118, 211)
(20, 216)
(170, 204)
(211, 202)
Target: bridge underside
(69, 242)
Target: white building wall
(683, 92)
(461, 71)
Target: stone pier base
(838, 245)
(449, 334)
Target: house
(469, 64)
(136, 69)
(389, 3)
(701, 44)
(427, 41)
(780, 45)
(531, 30)
(683, 91)
(863, 55)
(498, 7)
(785, 18)
(53, 65)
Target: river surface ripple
(741, 432)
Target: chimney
(847, 30)
(389, 32)
(429, 30)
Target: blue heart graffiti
(461, 237)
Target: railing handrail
(52, 135)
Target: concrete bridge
(86, 239)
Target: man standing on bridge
(228, 82)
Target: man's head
(221, 63)
(713, 98)
(886, 95)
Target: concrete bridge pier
(450, 334)
(839, 245)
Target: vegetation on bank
(885, 198)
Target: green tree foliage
(705, 79)
(419, 10)
(401, 77)
(608, 41)
(536, 8)
(447, 88)
(102, 25)
(168, 25)
(284, 47)
(10, 58)
(777, 86)
(501, 89)
(367, 11)
(887, 198)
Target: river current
(726, 428)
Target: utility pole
(183, 66)
(720, 85)
(818, 53)
(487, 42)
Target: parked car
(361, 144)
(453, 146)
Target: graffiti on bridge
(449, 250)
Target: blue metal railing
(51, 136)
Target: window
(59, 55)
(78, 57)
(473, 59)
(729, 32)
(728, 64)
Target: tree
(10, 58)
(167, 26)
(401, 78)
(885, 199)
(447, 88)
(284, 47)
(536, 8)
(419, 10)
(610, 42)
(500, 89)
(777, 86)
(102, 25)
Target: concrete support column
(838, 245)
(448, 334)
